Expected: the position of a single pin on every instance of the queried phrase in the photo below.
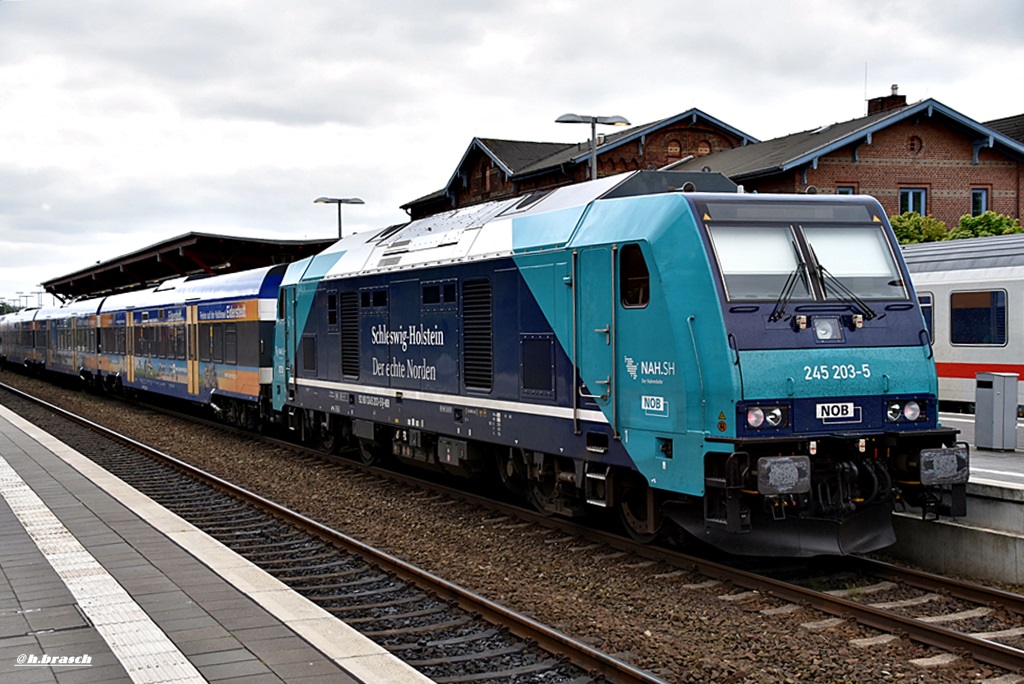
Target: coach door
(595, 327)
(129, 346)
(192, 351)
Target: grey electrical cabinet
(995, 411)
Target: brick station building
(491, 169)
(923, 157)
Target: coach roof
(956, 255)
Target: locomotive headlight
(896, 411)
(767, 417)
(827, 329)
(755, 417)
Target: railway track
(957, 617)
(441, 629)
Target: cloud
(136, 122)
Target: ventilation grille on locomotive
(477, 335)
(350, 334)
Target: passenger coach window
(978, 317)
(635, 279)
(230, 344)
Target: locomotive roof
(459, 235)
(972, 253)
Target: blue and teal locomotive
(752, 368)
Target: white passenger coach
(972, 298)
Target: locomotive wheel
(329, 441)
(511, 470)
(638, 516)
(369, 452)
(543, 497)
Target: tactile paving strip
(144, 650)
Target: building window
(913, 199)
(979, 201)
(978, 317)
(915, 144)
(703, 148)
(674, 149)
(846, 190)
(485, 176)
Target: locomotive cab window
(781, 251)
(757, 262)
(634, 278)
(860, 259)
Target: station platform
(987, 544)
(100, 584)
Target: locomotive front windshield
(860, 258)
(757, 262)
(812, 252)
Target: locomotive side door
(594, 292)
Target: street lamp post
(339, 201)
(593, 121)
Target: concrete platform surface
(100, 584)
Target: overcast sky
(127, 122)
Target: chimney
(877, 105)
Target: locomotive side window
(332, 309)
(309, 353)
(978, 318)
(431, 294)
(435, 293)
(538, 364)
(634, 278)
(373, 298)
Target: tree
(911, 228)
(985, 225)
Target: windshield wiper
(787, 293)
(843, 290)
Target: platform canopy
(189, 254)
